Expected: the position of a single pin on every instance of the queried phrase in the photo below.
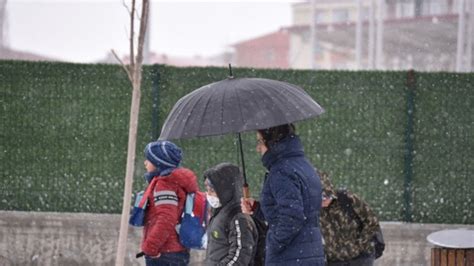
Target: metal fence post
(408, 169)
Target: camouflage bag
(346, 204)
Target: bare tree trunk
(134, 72)
(127, 194)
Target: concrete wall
(31, 238)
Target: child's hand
(247, 205)
(155, 257)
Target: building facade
(386, 35)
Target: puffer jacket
(290, 203)
(164, 209)
(231, 234)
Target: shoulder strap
(189, 203)
(199, 206)
(149, 189)
(186, 205)
(346, 204)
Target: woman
(290, 200)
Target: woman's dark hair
(273, 135)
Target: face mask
(213, 201)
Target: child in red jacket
(169, 185)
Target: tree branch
(126, 6)
(123, 65)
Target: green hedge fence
(402, 140)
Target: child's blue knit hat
(164, 155)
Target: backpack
(346, 204)
(137, 216)
(262, 228)
(193, 224)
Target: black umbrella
(235, 105)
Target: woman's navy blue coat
(290, 202)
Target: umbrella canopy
(236, 105)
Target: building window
(405, 9)
(340, 15)
(321, 17)
(438, 7)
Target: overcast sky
(85, 30)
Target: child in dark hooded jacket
(232, 235)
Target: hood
(226, 180)
(290, 146)
(184, 178)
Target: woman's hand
(247, 205)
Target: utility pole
(418, 8)
(146, 46)
(380, 29)
(470, 36)
(358, 37)
(3, 23)
(461, 33)
(312, 33)
(371, 52)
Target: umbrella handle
(246, 191)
